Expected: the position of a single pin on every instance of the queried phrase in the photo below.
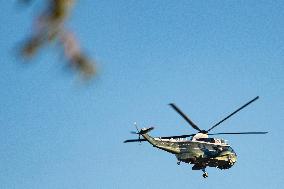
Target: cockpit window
(229, 148)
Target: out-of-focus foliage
(49, 27)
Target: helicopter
(198, 149)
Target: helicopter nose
(232, 159)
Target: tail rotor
(137, 132)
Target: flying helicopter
(198, 149)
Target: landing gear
(205, 174)
(178, 162)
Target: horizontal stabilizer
(145, 130)
(134, 140)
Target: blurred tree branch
(49, 27)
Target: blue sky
(208, 57)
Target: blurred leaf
(50, 27)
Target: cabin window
(211, 140)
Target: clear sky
(208, 57)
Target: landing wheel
(178, 162)
(205, 175)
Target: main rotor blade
(184, 116)
(232, 113)
(134, 140)
(239, 133)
